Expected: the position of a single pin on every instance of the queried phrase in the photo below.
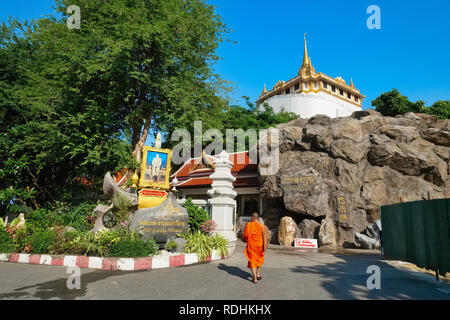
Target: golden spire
(264, 90)
(305, 54)
(306, 69)
(351, 83)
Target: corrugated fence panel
(418, 232)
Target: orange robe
(254, 236)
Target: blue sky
(411, 51)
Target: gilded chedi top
(312, 92)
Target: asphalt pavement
(287, 274)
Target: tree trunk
(137, 154)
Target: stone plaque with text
(162, 222)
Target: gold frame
(161, 185)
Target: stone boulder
(111, 189)
(273, 235)
(340, 170)
(309, 229)
(100, 212)
(180, 244)
(327, 233)
(287, 231)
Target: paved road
(286, 275)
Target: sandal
(255, 280)
(259, 278)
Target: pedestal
(222, 202)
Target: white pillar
(222, 202)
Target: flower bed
(56, 232)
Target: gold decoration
(307, 68)
(307, 73)
(135, 179)
(149, 198)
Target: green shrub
(197, 216)
(127, 248)
(199, 243)
(43, 219)
(6, 243)
(171, 244)
(79, 217)
(21, 239)
(120, 212)
(220, 244)
(202, 244)
(41, 242)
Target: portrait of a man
(155, 166)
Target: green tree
(77, 102)
(441, 109)
(253, 117)
(392, 103)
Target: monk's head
(255, 216)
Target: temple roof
(307, 73)
(195, 172)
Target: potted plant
(171, 246)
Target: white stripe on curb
(215, 255)
(45, 259)
(190, 258)
(160, 262)
(125, 264)
(4, 257)
(95, 262)
(70, 261)
(24, 258)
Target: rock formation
(287, 231)
(338, 171)
(113, 191)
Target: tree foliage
(74, 103)
(392, 103)
(441, 109)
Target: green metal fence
(418, 232)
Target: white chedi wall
(307, 105)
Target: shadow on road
(58, 288)
(235, 271)
(348, 280)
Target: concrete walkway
(287, 274)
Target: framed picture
(155, 168)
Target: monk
(256, 234)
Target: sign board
(161, 222)
(305, 243)
(245, 219)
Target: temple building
(311, 93)
(193, 181)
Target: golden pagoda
(312, 92)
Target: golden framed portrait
(155, 168)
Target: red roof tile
(191, 176)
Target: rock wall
(337, 171)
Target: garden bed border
(115, 264)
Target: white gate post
(222, 202)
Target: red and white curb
(123, 264)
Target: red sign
(305, 243)
(154, 193)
